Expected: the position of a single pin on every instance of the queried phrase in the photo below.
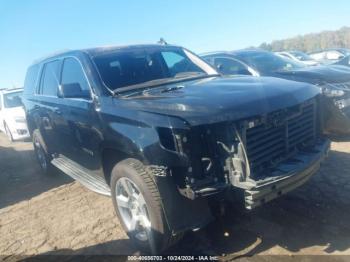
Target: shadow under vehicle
(165, 135)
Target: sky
(34, 28)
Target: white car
(12, 117)
(300, 57)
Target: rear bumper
(288, 176)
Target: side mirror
(219, 67)
(72, 90)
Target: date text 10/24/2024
(173, 258)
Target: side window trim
(38, 80)
(85, 76)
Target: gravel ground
(54, 215)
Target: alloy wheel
(133, 209)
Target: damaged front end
(266, 155)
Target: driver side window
(229, 66)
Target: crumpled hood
(219, 99)
(318, 74)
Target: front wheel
(138, 205)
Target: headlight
(172, 139)
(20, 119)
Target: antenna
(162, 41)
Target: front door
(79, 123)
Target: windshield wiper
(158, 82)
(186, 74)
(150, 83)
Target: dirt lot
(55, 215)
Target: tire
(8, 133)
(131, 173)
(41, 153)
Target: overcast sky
(32, 29)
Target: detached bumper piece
(336, 116)
(287, 176)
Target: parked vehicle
(330, 56)
(12, 117)
(344, 61)
(299, 57)
(159, 130)
(333, 80)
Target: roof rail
(51, 55)
(10, 88)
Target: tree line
(312, 42)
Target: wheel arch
(110, 156)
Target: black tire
(161, 237)
(41, 153)
(8, 133)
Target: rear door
(47, 107)
(79, 123)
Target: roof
(233, 52)
(103, 49)
(246, 51)
(107, 49)
(10, 90)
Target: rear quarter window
(31, 80)
(50, 78)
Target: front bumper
(19, 131)
(288, 176)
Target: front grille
(280, 136)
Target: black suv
(158, 129)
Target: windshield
(267, 63)
(301, 56)
(12, 99)
(146, 66)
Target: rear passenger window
(50, 81)
(30, 80)
(72, 73)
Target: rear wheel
(138, 205)
(8, 133)
(43, 157)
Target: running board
(81, 174)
